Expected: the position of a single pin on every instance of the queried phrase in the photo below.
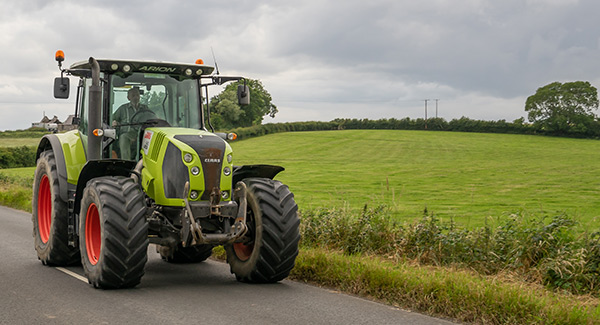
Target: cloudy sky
(319, 59)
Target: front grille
(211, 150)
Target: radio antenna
(215, 59)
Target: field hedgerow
(538, 249)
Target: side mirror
(243, 94)
(61, 87)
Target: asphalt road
(204, 293)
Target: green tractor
(142, 169)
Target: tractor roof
(182, 70)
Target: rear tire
(269, 253)
(113, 232)
(50, 215)
(192, 254)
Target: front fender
(263, 171)
(99, 168)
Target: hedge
(13, 157)
(29, 133)
(463, 124)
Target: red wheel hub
(93, 234)
(44, 209)
(243, 251)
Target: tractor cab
(141, 94)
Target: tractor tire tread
(280, 231)
(56, 252)
(125, 232)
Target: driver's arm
(117, 117)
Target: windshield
(142, 97)
(141, 100)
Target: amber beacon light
(59, 56)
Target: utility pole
(436, 108)
(425, 100)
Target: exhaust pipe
(95, 113)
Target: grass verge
(459, 294)
(16, 188)
(539, 250)
(15, 196)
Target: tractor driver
(128, 135)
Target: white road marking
(73, 274)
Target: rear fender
(70, 157)
(51, 142)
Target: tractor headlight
(195, 170)
(227, 171)
(194, 195)
(229, 158)
(225, 195)
(188, 157)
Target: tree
(154, 100)
(563, 107)
(228, 114)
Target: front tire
(113, 232)
(50, 215)
(269, 252)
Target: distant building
(42, 123)
(46, 123)
(68, 125)
(55, 124)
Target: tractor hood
(174, 156)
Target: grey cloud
(379, 58)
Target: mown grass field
(473, 178)
(24, 173)
(18, 142)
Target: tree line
(463, 124)
(558, 109)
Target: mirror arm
(63, 85)
(218, 80)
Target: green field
(473, 178)
(17, 142)
(25, 173)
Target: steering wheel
(142, 115)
